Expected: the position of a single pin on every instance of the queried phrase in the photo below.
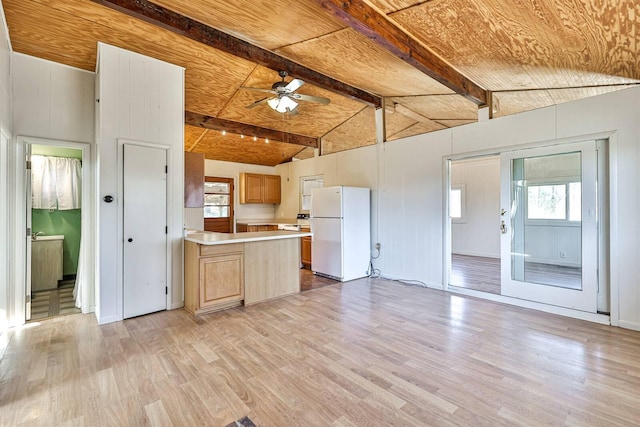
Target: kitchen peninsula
(225, 270)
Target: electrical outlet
(563, 254)
(378, 246)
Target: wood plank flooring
(474, 272)
(483, 274)
(368, 352)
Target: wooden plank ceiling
(527, 54)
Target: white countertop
(210, 238)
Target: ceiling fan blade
(255, 104)
(257, 89)
(309, 98)
(294, 85)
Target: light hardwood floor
(361, 353)
(483, 274)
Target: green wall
(60, 222)
(50, 150)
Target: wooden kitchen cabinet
(241, 228)
(193, 180)
(214, 277)
(258, 188)
(271, 193)
(305, 251)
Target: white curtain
(56, 183)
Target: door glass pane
(546, 227)
(216, 211)
(216, 187)
(216, 199)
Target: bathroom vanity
(46, 262)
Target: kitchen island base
(242, 268)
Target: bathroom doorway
(56, 217)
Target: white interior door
(144, 230)
(549, 241)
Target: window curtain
(55, 183)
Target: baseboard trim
(478, 254)
(629, 325)
(430, 285)
(108, 319)
(177, 305)
(602, 319)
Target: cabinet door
(251, 188)
(305, 251)
(271, 189)
(193, 180)
(221, 279)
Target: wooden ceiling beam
(214, 123)
(376, 26)
(187, 27)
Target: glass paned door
(548, 223)
(218, 204)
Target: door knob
(503, 227)
(129, 240)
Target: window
(307, 183)
(555, 201)
(457, 203)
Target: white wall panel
(51, 100)
(5, 133)
(141, 99)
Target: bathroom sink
(53, 237)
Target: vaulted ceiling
(428, 64)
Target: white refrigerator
(340, 223)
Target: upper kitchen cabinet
(193, 180)
(258, 188)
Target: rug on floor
(54, 302)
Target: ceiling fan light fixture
(282, 104)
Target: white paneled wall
(141, 99)
(194, 218)
(53, 101)
(5, 135)
(408, 214)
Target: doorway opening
(474, 200)
(530, 226)
(56, 215)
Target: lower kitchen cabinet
(214, 277)
(240, 227)
(305, 251)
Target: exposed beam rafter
(214, 123)
(376, 26)
(187, 27)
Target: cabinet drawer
(208, 250)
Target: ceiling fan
(285, 97)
